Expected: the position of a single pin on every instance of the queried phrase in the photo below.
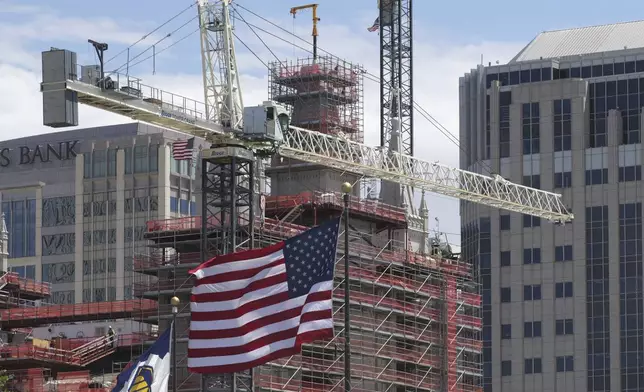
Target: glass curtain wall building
(562, 305)
(76, 205)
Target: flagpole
(346, 189)
(174, 301)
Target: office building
(562, 305)
(119, 177)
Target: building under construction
(415, 322)
(414, 325)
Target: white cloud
(437, 69)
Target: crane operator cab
(266, 122)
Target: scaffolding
(37, 364)
(415, 318)
(323, 94)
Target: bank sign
(27, 155)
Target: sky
(449, 40)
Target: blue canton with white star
(310, 257)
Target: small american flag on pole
(375, 26)
(252, 307)
(183, 149)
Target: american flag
(183, 149)
(375, 26)
(255, 306)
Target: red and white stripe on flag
(252, 307)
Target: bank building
(76, 204)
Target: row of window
(564, 363)
(533, 255)
(102, 163)
(20, 217)
(509, 78)
(532, 329)
(532, 292)
(592, 177)
(183, 207)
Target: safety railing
(24, 285)
(363, 371)
(24, 317)
(285, 230)
(406, 308)
(356, 205)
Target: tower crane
(242, 136)
(265, 130)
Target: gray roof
(583, 40)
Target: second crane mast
(396, 90)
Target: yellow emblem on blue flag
(143, 380)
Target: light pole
(346, 189)
(174, 301)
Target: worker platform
(13, 288)
(283, 208)
(63, 353)
(31, 316)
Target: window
(25, 271)
(506, 294)
(533, 181)
(184, 207)
(532, 329)
(563, 289)
(563, 253)
(596, 176)
(504, 222)
(128, 160)
(111, 162)
(566, 363)
(141, 159)
(532, 292)
(154, 158)
(20, 216)
(530, 121)
(531, 221)
(563, 180)
(532, 366)
(532, 256)
(193, 208)
(506, 368)
(564, 327)
(505, 258)
(505, 99)
(87, 165)
(506, 331)
(630, 173)
(174, 204)
(99, 163)
(562, 125)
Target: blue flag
(151, 371)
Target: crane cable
(152, 32)
(369, 76)
(154, 45)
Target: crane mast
(222, 92)
(396, 72)
(396, 91)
